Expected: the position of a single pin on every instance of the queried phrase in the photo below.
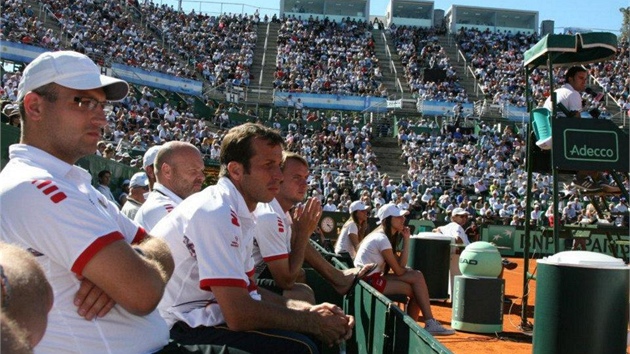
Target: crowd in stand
(20, 24)
(322, 56)
(419, 49)
(483, 173)
(497, 61)
(221, 48)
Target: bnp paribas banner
(511, 241)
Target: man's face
(460, 219)
(63, 128)
(105, 179)
(262, 183)
(578, 81)
(187, 175)
(294, 185)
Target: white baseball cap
(357, 206)
(139, 179)
(389, 210)
(149, 157)
(72, 70)
(459, 211)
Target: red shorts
(377, 281)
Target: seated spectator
(353, 230)
(378, 247)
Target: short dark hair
(573, 71)
(236, 146)
(102, 173)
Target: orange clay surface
(512, 340)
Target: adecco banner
(512, 238)
(589, 144)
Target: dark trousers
(226, 341)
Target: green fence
(380, 327)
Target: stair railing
(264, 58)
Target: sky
(588, 14)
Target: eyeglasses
(90, 103)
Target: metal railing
(264, 58)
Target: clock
(327, 224)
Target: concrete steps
(467, 81)
(388, 157)
(389, 78)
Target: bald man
(179, 172)
(27, 297)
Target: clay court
(512, 340)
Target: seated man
(282, 239)
(212, 298)
(26, 294)
(455, 229)
(50, 208)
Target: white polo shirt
(454, 230)
(569, 97)
(272, 240)
(370, 251)
(210, 235)
(343, 243)
(50, 208)
(160, 202)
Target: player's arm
(134, 280)
(327, 322)
(287, 271)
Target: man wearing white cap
(179, 172)
(147, 163)
(282, 240)
(455, 229)
(138, 186)
(50, 208)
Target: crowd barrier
(381, 326)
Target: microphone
(596, 98)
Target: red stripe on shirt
(42, 184)
(50, 189)
(207, 284)
(58, 197)
(275, 258)
(93, 249)
(141, 234)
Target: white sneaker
(436, 329)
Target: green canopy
(567, 50)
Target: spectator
(378, 247)
(353, 230)
(104, 178)
(138, 186)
